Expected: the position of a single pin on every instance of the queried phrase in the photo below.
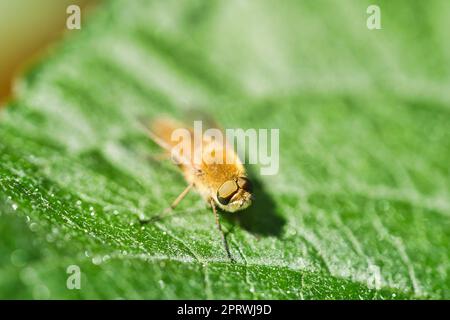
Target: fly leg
(171, 207)
(219, 227)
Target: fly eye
(226, 191)
(244, 183)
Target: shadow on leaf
(261, 217)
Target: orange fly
(222, 184)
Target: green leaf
(359, 209)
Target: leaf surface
(359, 209)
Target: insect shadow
(261, 218)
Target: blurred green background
(359, 209)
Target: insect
(222, 184)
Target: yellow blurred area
(26, 28)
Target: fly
(222, 183)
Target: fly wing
(160, 131)
(208, 122)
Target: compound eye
(226, 191)
(244, 183)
